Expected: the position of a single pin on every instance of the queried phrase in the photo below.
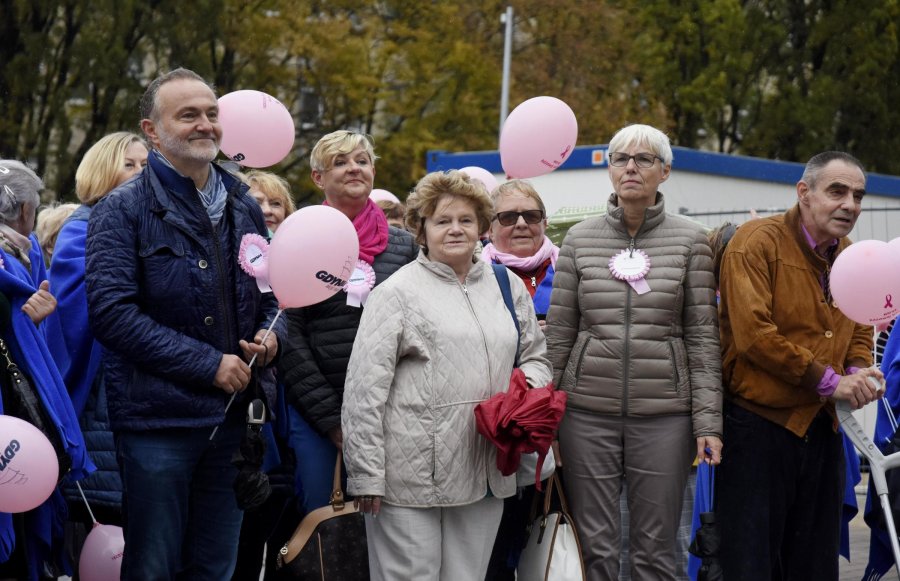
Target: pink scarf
(547, 250)
(372, 231)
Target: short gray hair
(817, 163)
(19, 185)
(148, 101)
(638, 134)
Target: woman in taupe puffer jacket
(633, 337)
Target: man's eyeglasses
(642, 160)
(510, 218)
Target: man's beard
(188, 150)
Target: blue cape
(28, 347)
(74, 349)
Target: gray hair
(148, 101)
(19, 185)
(638, 134)
(817, 163)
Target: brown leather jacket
(777, 331)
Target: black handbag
(21, 400)
(330, 542)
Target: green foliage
(774, 78)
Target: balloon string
(252, 361)
(90, 512)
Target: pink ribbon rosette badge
(631, 266)
(361, 282)
(253, 257)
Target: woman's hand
(336, 435)
(41, 304)
(368, 504)
(714, 444)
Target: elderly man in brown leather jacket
(788, 354)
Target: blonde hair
(98, 172)
(518, 187)
(337, 143)
(272, 186)
(49, 222)
(423, 201)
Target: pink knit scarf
(547, 250)
(372, 231)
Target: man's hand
(41, 304)
(857, 389)
(233, 374)
(263, 356)
(337, 437)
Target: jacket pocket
(572, 372)
(164, 270)
(678, 355)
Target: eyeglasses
(642, 160)
(511, 218)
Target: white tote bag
(553, 552)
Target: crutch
(879, 464)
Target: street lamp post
(506, 18)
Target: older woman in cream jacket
(435, 340)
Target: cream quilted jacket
(427, 351)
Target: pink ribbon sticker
(631, 266)
(361, 282)
(253, 257)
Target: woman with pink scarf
(518, 241)
(320, 337)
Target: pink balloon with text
(101, 555)
(537, 137)
(257, 129)
(865, 282)
(312, 256)
(28, 467)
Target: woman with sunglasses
(518, 241)
(633, 337)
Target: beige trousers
(433, 544)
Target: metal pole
(506, 18)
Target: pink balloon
(894, 245)
(865, 282)
(312, 255)
(537, 137)
(382, 195)
(482, 175)
(28, 468)
(101, 555)
(257, 129)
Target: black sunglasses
(510, 218)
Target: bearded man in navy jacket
(178, 320)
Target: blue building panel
(684, 159)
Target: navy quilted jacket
(167, 299)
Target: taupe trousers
(433, 544)
(654, 454)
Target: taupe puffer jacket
(620, 353)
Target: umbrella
(521, 420)
(251, 485)
(707, 540)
